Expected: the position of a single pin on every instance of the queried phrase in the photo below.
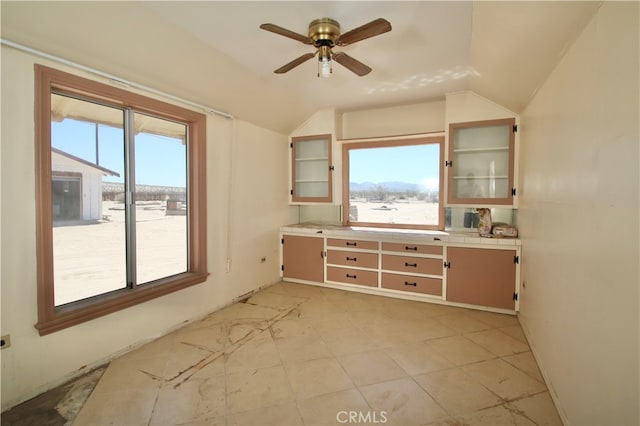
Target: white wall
(246, 165)
(579, 223)
(425, 117)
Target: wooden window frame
(392, 142)
(52, 318)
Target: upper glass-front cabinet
(311, 169)
(481, 162)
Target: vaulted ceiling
(214, 52)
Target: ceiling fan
(324, 35)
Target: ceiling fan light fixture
(324, 62)
(324, 34)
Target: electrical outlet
(263, 259)
(5, 341)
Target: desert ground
(89, 259)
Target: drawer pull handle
(412, 284)
(413, 265)
(411, 248)
(351, 244)
(355, 259)
(352, 276)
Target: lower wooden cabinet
(459, 273)
(481, 277)
(303, 258)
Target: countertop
(415, 235)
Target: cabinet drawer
(422, 285)
(412, 248)
(355, 244)
(353, 276)
(416, 265)
(352, 258)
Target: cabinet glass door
(481, 162)
(311, 172)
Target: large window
(121, 199)
(394, 183)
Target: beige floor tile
(367, 368)
(333, 327)
(503, 379)
(539, 408)
(418, 358)
(294, 289)
(495, 416)
(302, 348)
(350, 342)
(317, 377)
(185, 360)
(124, 407)
(497, 342)
(275, 300)
(527, 363)
(292, 328)
(402, 402)
(494, 319)
(273, 360)
(460, 350)
(516, 332)
(462, 323)
(333, 408)
(456, 391)
(146, 374)
(258, 352)
(247, 313)
(277, 415)
(159, 348)
(429, 329)
(249, 390)
(192, 401)
(212, 337)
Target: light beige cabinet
(303, 258)
(473, 274)
(481, 162)
(483, 277)
(415, 268)
(311, 169)
(351, 261)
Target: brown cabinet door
(303, 258)
(482, 277)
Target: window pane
(161, 198)
(395, 185)
(87, 150)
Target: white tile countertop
(416, 235)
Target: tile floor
(294, 354)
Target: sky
(160, 160)
(412, 164)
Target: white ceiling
(215, 53)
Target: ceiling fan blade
(373, 28)
(352, 64)
(294, 63)
(287, 33)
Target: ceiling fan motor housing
(324, 32)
